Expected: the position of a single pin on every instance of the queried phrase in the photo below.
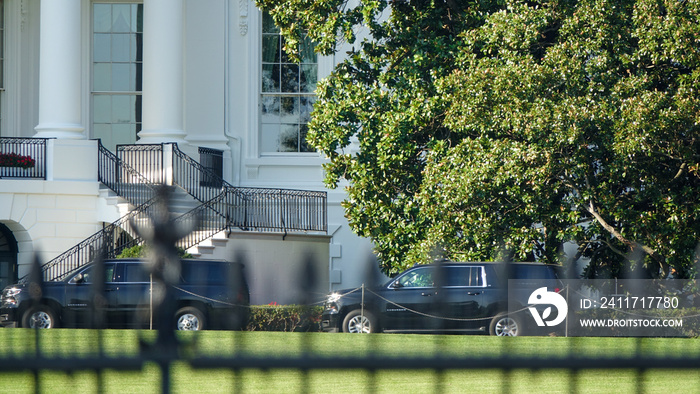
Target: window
(287, 93)
(421, 277)
(465, 277)
(135, 273)
(86, 275)
(117, 54)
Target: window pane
(102, 109)
(290, 78)
(102, 17)
(121, 48)
(308, 78)
(102, 47)
(289, 138)
(122, 110)
(123, 133)
(270, 78)
(271, 49)
(305, 108)
(270, 137)
(270, 109)
(304, 145)
(121, 18)
(135, 273)
(307, 54)
(269, 24)
(102, 77)
(121, 77)
(289, 109)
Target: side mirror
(396, 284)
(79, 278)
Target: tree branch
(632, 245)
(679, 173)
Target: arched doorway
(8, 257)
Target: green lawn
(67, 342)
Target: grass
(69, 342)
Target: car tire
(506, 325)
(40, 316)
(359, 322)
(189, 318)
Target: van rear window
(204, 273)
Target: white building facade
(196, 73)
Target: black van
(445, 297)
(209, 294)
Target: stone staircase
(214, 247)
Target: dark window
(204, 273)
(87, 274)
(465, 276)
(135, 273)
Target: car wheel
(505, 325)
(357, 322)
(41, 316)
(189, 319)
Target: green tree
(512, 126)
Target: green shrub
(297, 318)
(142, 251)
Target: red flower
(16, 160)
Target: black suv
(210, 294)
(444, 297)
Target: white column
(59, 71)
(162, 72)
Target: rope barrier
(407, 309)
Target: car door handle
(473, 293)
(426, 294)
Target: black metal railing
(261, 209)
(195, 178)
(123, 179)
(206, 220)
(146, 159)
(212, 160)
(223, 207)
(23, 158)
(111, 240)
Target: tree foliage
(506, 125)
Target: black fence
(90, 360)
(23, 158)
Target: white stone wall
(277, 266)
(50, 216)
